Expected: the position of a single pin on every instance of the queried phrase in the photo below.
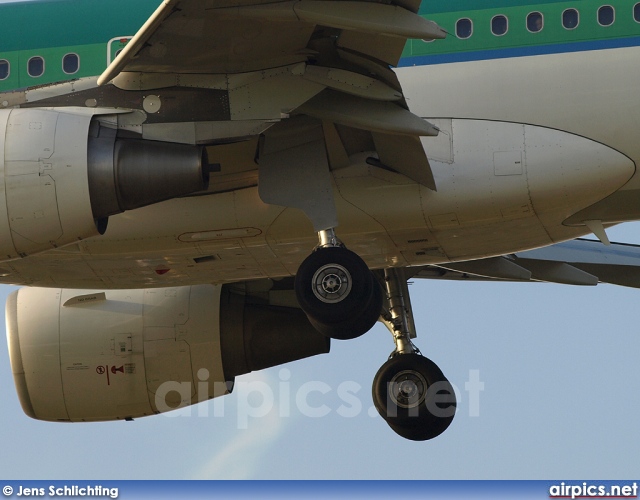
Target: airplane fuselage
(535, 132)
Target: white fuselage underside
(525, 143)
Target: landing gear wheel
(418, 432)
(333, 285)
(414, 397)
(356, 326)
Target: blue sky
(561, 400)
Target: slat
(377, 18)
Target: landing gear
(409, 391)
(414, 397)
(343, 299)
(337, 291)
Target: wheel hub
(331, 283)
(408, 389)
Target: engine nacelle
(62, 175)
(79, 355)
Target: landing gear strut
(337, 291)
(343, 300)
(409, 391)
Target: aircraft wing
(247, 47)
(577, 262)
(218, 36)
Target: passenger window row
(535, 21)
(36, 66)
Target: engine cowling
(62, 175)
(79, 355)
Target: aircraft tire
(356, 326)
(414, 397)
(333, 285)
(418, 432)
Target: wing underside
(216, 72)
(577, 262)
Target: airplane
(203, 188)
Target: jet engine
(62, 175)
(79, 355)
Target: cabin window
(464, 28)
(35, 66)
(535, 22)
(4, 69)
(606, 15)
(636, 12)
(499, 25)
(70, 63)
(570, 19)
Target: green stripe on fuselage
(553, 33)
(38, 24)
(53, 28)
